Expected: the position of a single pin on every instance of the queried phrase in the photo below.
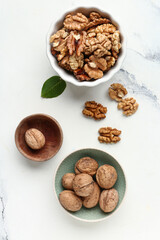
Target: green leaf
(53, 87)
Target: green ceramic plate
(67, 165)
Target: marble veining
(129, 80)
(3, 231)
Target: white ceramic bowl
(68, 77)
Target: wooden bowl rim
(29, 117)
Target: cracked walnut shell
(93, 199)
(70, 201)
(83, 184)
(109, 135)
(75, 22)
(86, 165)
(108, 200)
(67, 181)
(94, 110)
(117, 91)
(128, 105)
(106, 176)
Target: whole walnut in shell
(106, 176)
(70, 201)
(83, 184)
(108, 200)
(86, 165)
(67, 181)
(93, 198)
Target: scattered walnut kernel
(117, 91)
(34, 138)
(128, 105)
(94, 110)
(75, 22)
(109, 135)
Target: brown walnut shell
(93, 199)
(108, 200)
(67, 181)
(86, 165)
(70, 201)
(83, 184)
(106, 176)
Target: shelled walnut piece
(94, 110)
(109, 135)
(128, 105)
(93, 36)
(117, 91)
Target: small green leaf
(53, 87)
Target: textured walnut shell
(106, 176)
(93, 198)
(34, 138)
(67, 181)
(86, 165)
(108, 200)
(83, 184)
(70, 201)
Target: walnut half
(117, 91)
(109, 135)
(94, 110)
(128, 105)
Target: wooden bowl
(51, 130)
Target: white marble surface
(28, 208)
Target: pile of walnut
(86, 46)
(83, 190)
(129, 105)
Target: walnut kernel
(75, 22)
(117, 91)
(109, 135)
(94, 110)
(128, 105)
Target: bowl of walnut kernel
(86, 46)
